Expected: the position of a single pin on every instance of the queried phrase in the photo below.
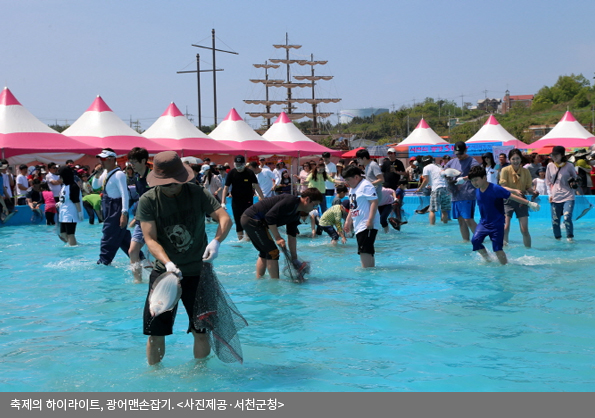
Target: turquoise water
(431, 317)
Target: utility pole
(198, 71)
(462, 95)
(212, 48)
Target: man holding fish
(172, 218)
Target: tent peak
(7, 98)
(233, 115)
(422, 124)
(99, 105)
(172, 110)
(568, 117)
(283, 118)
(492, 121)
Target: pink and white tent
(422, 135)
(492, 131)
(102, 128)
(24, 138)
(568, 133)
(236, 133)
(284, 133)
(177, 133)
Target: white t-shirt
(359, 198)
(55, 188)
(21, 180)
(432, 173)
(265, 181)
(68, 212)
(6, 181)
(331, 172)
(492, 174)
(116, 186)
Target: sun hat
(106, 154)
(168, 168)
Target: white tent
(422, 135)
(177, 133)
(24, 138)
(492, 131)
(285, 134)
(101, 127)
(568, 133)
(236, 133)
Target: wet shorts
(261, 238)
(331, 231)
(365, 241)
(68, 228)
(163, 324)
(520, 210)
(440, 200)
(238, 206)
(463, 209)
(496, 235)
(137, 234)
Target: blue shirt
(1, 186)
(491, 205)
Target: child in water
(490, 200)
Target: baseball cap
(559, 149)
(391, 150)
(460, 147)
(346, 204)
(326, 155)
(239, 159)
(169, 168)
(106, 154)
(204, 168)
(412, 159)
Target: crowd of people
(170, 201)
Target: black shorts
(68, 228)
(519, 209)
(238, 206)
(163, 324)
(261, 238)
(365, 241)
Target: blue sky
(56, 56)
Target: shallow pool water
(432, 316)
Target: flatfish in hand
(165, 294)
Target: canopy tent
(236, 133)
(24, 138)
(351, 153)
(421, 135)
(285, 134)
(102, 128)
(568, 133)
(492, 131)
(174, 131)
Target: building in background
(511, 101)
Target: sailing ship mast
(289, 84)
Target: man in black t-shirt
(392, 169)
(262, 220)
(243, 183)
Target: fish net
(216, 313)
(582, 206)
(293, 272)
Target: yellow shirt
(520, 180)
